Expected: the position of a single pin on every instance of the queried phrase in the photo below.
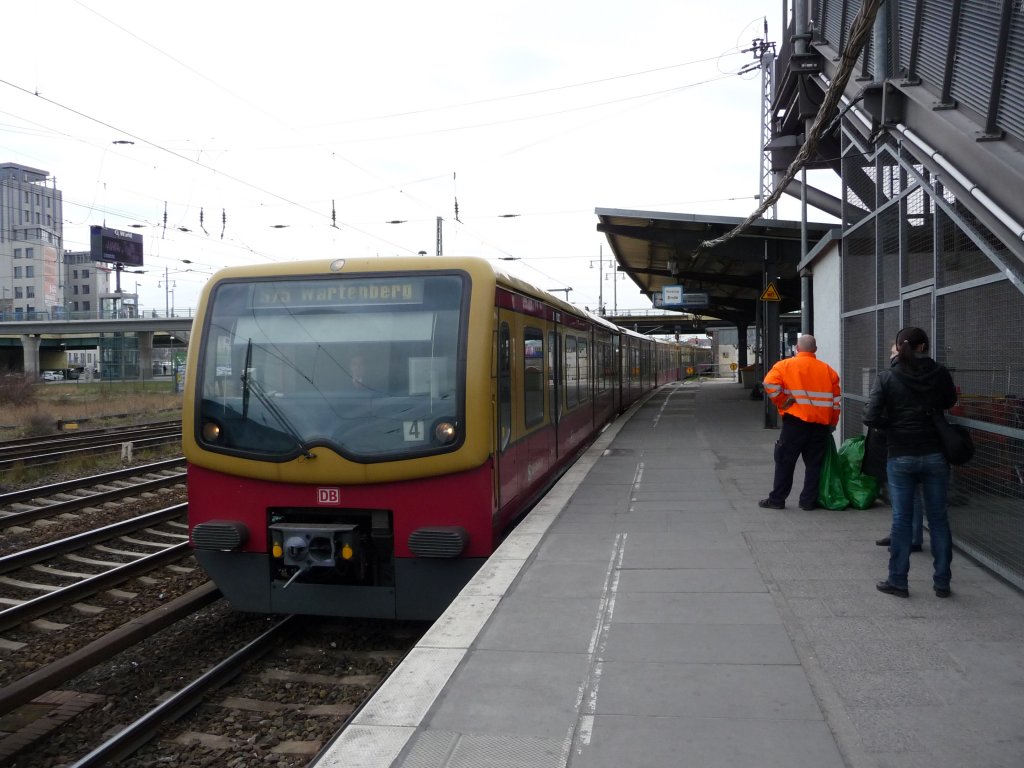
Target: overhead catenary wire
(323, 206)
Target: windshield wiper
(245, 380)
(249, 384)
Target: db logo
(328, 495)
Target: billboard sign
(115, 246)
(51, 281)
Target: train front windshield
(372, 367)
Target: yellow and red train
(361, 434)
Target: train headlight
(276, 544)
(211, 432)
(444, 432)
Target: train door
(554, 382)
(505, 458)
(538, 453)
(592, 362)
(615, 375)
(624, 363)
(646, 366)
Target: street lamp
(169, 285)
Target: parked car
(53, 376)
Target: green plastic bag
(830, 488)
(860, 489)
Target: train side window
(571, 374)
(533, 376)
(583, 366)
(504, 387)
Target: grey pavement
(649, 613)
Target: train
(362, 433)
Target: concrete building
(31, 235)
(38, 279)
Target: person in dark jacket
(901, 402)
(875, 457)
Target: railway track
(45, 579)
(20, 508)
(52, 449)
(213, 687)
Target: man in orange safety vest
(806, 392)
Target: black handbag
(957, 445)
(875, 454)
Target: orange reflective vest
(805, 387)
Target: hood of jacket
(923, 381)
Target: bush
(15, 389)
(40, 424)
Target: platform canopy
(658, 249)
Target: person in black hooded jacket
(875, 457)
(901, 402)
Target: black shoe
(889, 589)
(943, 591)
(915, 547)
(769, 504)
(884, 542)
(808, 507)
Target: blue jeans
(917, 539)
(906, 474)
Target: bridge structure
(25, 343)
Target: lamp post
(600, 280)
(170, 285)
(167, 293)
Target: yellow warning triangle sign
(771, 293)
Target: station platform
(648, 613)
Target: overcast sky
(273, 132)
